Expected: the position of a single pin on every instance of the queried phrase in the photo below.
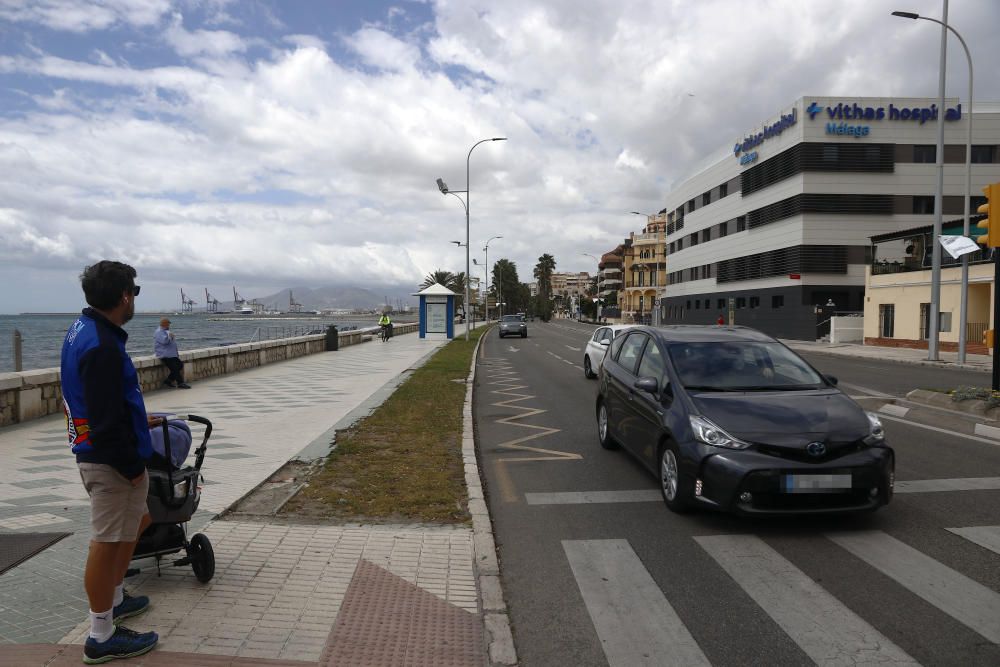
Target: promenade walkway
(282, 591)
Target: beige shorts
(116, 507)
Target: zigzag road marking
(510, 389)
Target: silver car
(513, 325)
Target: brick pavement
(278, 588)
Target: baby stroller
(174, 494)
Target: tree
(453, 281)
(505, 284)
(543, 274)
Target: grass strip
(403, 462)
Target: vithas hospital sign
(853, 118)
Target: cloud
(76, 16)
(202, 156)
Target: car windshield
(741, 366)
(511, 318)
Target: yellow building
(898, 291)
(645, 270)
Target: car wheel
(603, 431)
(524, 335)
(587, 370)
(676, 492)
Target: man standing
(109, 433)
(165, 349)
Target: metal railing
(276, 332)
(974, 331)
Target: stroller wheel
(202, 558)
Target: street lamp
(444, 190)
(935, 314)
(600, 300)
(964, 307)
(486, 249)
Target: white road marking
(555, 355)
(589, 497)
(633, 619)
(894, 410)
(823, 627)
(934, 485)
(513, 349)
(870, 393)
(988, 431)
(987, 537)
(575, 349)
(939, 430)
(952, 592)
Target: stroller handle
(200, 452)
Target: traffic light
(992, 222)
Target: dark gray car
(731, 419)
(513, 325)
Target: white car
(598, 345)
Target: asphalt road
(894, 378)
(630, 583)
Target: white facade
(808, 121)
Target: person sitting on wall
(165, 348)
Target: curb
(500, 642)
(908, 362)
(972, 407)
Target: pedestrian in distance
(721, 321)
(108, 431)
(165, 349)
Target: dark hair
(104, 282)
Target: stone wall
(32, 394)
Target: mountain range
(349, 297)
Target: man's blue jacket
(105, 413)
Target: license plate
(815, 483)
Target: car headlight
(876, 434)
(710, 434)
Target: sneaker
(124, 643)
(130, 606)
(183, 385)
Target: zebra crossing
(637, 625)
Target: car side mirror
(605, 342)
(831, 379)
(649, 385)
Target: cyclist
(386, 325)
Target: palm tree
(543, 274)
(440, 277)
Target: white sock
(102, 625)
(119, 595)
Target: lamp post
(935, 314)
(600, 300)
(444, 190)
(964, 307)
(486, 249)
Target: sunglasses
(135, 290)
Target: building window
(778, 301)
(723, 190)
(984, 155)
(688, 305)
(886, 320)
(755, 302)
(652, 277)
(690, 206)
(831, 152)
(741, 302)
(680, 244)
(741, 223)
(708, 304)
(926, 154)
(694, 238)
(692, 273)
(697, 304)
(723, 229)
(923, 204)
(722, 304)
(706, 235)
(925, 321)
(706, 199)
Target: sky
(278, 143)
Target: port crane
(238, 301)
(187, 303)
(293, 305)
(211, 305)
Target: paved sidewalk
(902, 355)
(279, 589)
